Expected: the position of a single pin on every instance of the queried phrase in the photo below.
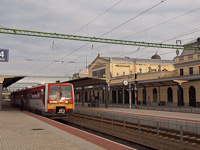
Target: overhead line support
(93, 39)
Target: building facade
(158, 82)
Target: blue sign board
(4, 54)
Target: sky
(154, 21)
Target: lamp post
(135, 90)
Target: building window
(170, 94)
(181, 72)
(191, 70)
(99, 73)
(199, 69)
(155, 95)
(192, 96)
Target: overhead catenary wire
(97, 17)
(184, 34)
(78, 31)
(133, 18)
(121, 24)
(118, 26)
(164, 22)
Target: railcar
(50, 99)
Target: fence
(171, 108)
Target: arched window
(154, 95)
(180, 96)
(170, 94)
(192, 96)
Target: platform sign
(4, 54)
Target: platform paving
(23, 130)
(19, 131)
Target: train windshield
(57, 92)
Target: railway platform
(171, 120)
(156, 114)
(22, 130)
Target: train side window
(38, 94)
(35, 94)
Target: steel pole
(1, 96)
(135, 96)
(130, 93)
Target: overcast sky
(165, 22)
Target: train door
(46, 89)
(24, 97)
(43, 95)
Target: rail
(141, 130)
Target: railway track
(147, 135)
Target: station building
(158, 82)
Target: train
(49, 99)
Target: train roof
(35, 86)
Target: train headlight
(67, 102)
(53, 102)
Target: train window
(38, 94)
(54, 92)
(66, 92)
(57, 92)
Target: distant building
(110, 67)
(159, 82)
(81, 74)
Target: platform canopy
(87, 81)
(6, 81)
(9, 80)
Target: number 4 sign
(4, 53)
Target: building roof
(195, 42)
(87, 81)
(138, 60)
(156, 56)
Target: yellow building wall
(127, 68)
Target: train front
(60, 99)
